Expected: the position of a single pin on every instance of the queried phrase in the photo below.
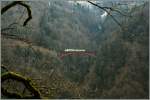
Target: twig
(118, 11)
(106, 10)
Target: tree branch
(108, 12)
(4, 9)
(25, 81)
(118, 11)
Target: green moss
(27, 82)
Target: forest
(108, 39)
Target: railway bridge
(83, 52)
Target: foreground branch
(108, 12)
(25, 81)
(4, 9)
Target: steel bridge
(62, 54)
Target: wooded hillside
(118, 31)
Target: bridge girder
(89, 53)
